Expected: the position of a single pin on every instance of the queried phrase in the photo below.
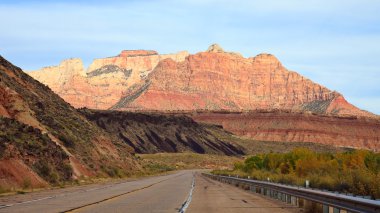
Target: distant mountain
(105, 81)
(45, 140)
(210, 80)
(255, 97)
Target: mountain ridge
(211, 80)
(214, 81)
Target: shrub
(67, 171)
(68, 141)
(26, 183)
(356, 171)
(113, 172)
(254, 162)
(156, 168)
(46, 171)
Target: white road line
(186, 204)
(58, 195)
(28, 201)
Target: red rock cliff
(216, 80)
(106, 79)
(211, 80)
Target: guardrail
(309, 199)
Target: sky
(334, 43)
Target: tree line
(356, 171)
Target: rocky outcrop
(210, 80)
(59, 75)
(105, 81)
(215, 48)
(282, 126)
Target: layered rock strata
(210, 80)
(105, 81)
(283, 126)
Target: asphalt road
(213, 196)
(155, 194)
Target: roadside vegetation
(356, 172)
(176, 161)
(19, 141)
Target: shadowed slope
(152, 133)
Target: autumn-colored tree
(355, 171)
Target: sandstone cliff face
(57, 76)
(218, 80)
(105, 81)
(211, 80)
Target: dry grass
(188, 161)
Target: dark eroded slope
(152, 133)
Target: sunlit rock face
(105, 81)
(210, 80)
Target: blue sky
(334, 43)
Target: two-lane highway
(154, 194)
(165, 196)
